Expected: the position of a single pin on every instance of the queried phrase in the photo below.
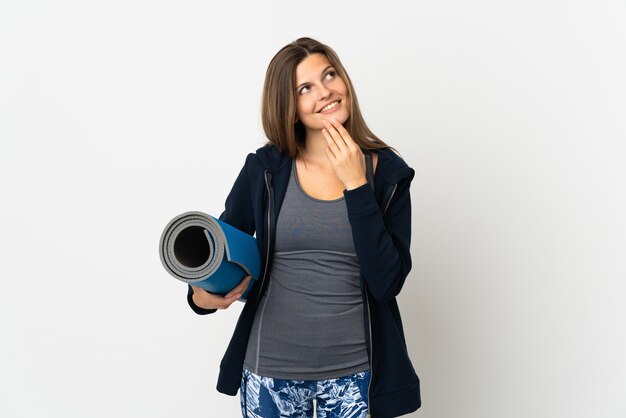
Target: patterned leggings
(343, 397)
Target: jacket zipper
(270, 198)
(369, 317)
(395, 186)
(269, 231)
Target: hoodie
(380, 219)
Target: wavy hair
(278, 103)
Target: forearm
(382, 245)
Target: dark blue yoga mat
(204, 251)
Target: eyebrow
(323, 71)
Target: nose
(324, 92)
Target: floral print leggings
(343, 397)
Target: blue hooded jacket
(380, 219)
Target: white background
(117, 116)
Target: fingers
(222, 302)
(332, 150)
(344, 154)
(240, 288)
(210, 300)
(336, 144)
(226, 302)
(345, 135)
(339, 135)
(236, 293)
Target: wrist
(355, 184)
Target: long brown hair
(278, 104)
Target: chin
(343, 119)
(340, 117)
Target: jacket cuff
(360, 200)
(196, 308)
(228, 382)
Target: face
(318, 85)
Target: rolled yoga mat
(204, 251)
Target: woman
(330, 205)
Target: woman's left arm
(382, 244)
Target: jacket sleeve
(237, 213)
(382, 244)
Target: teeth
(330, 106)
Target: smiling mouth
(336, 102)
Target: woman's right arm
(237, 213)
(203, 302)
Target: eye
(332, 73)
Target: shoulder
(391, 165)
(267, 157)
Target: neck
(314, 150)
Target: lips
(331, 102)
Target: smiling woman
(330, 205)
(326, 84)
(316, 78)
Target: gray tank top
(309, 322)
